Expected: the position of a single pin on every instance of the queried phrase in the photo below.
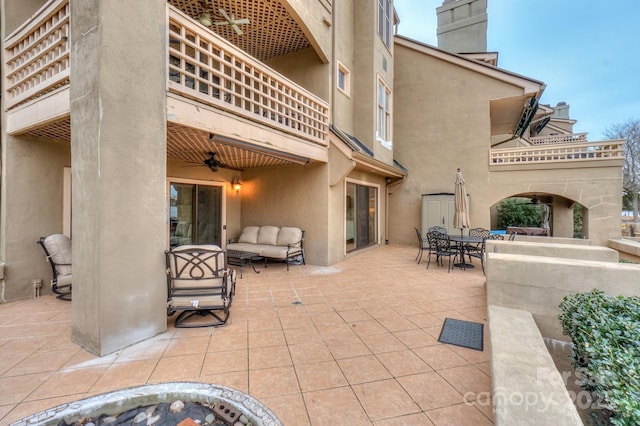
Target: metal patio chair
(57, 249)
(199, 284)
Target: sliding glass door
(195, 214)
(361, 227)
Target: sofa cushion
(275, 252)
(249, 235)
(268, 235)
(289, 235)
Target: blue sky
(587, 52)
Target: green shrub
(606, 335)
(518, 212)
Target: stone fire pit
(231, 407)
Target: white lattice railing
(207, 68)
(559, 139)
(592, 151)
(37, 54)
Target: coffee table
(242, 259)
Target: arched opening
(540, 214)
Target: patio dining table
(462, 240)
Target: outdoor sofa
(271, 243)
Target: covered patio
(354, 343)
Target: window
(385, 16)
(383, 131)
(344, 83)
(195, 213)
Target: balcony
(201, 66)
(555, 155)
(559, 139)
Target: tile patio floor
(360, 349)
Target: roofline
(529, 85)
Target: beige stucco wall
(118, 171)
(441, 122)
(290, 196)
(31, 207)
(537, 284)
(304, 68)
(314, 17)
(597, 188)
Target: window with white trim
(385, 17)
(344, 79)
(383, 130)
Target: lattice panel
(271, 32)
(192, 145)
(58, 131)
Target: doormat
(462, 333)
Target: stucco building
(330, 122)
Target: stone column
(118, 161)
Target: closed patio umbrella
(461, 209)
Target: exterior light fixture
(205, 19)
(235, 183)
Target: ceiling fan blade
(237, 29)
(225, 15)
(242, 21)
(221, 23)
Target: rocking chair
(199, 283)
(57, 249)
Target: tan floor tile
(68, 382)
(270, 382)
(186, 333)
(403, 363)
(439, 357)
(309, 352)
(268, 357)
(228, 342)
(260, 339)
(380, 343)
(365, 328)
(333, 407)
(14, 389)
(264, 324)
(84, 359)
(290, 409)
(458, 415)
(349, 350)
(295, 321)
(424, 320)
(4, 410)
(397, 323)
(485, 367)
(385, 399)
(363, 369)
(355, 315)
(237, 380)
(125, 374)
(149, 349)
(177, 368)
(419, 419)
(302, 335)
(407, 309)
(225, 362)
(29, 408)
(187, 346)
(467, 380)
(471, 355)
(320, 375)
(40, 362)
(430, 390)
(326, 318)
(416, 338)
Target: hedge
(606, 335)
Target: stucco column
(562, 219)
(118, 161)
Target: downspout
(334, 43)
